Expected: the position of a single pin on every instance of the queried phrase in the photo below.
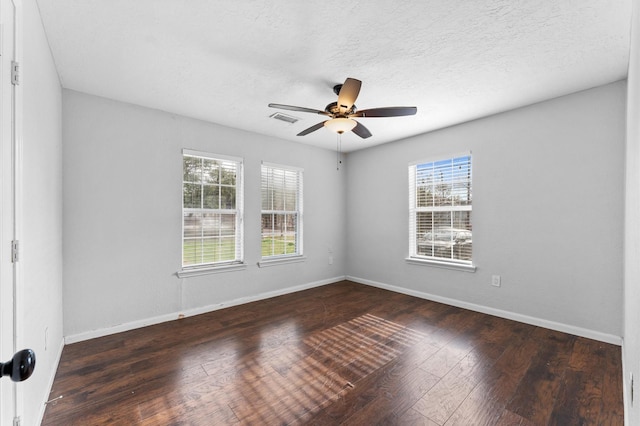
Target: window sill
(281, 261)
(440, 264)
(194, 272)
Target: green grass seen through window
(223, 249)
(277, 246)
(208, 250)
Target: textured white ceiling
(224, 61)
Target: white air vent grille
(284, 117)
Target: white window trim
(466, 266)
(214, 268)
(282, 166)
(210, 155)
(287, 258)
(440, 264)
(281, 260)
(436, 158)
(210, 269)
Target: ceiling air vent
(284, 117)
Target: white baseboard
(552, 325)
(194, 311)
(52, 376)
(578, 331)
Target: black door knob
(20, 367)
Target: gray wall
(122, 216)
(40, 307)
(547, 213)
(548, 198)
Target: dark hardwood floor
(339, 354)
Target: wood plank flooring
(339, 354)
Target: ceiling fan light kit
(340, 125)
(341, 113)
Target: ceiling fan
(343, 111)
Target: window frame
(225, 265)
(298, 256)
(414, 257)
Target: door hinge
(15, 251)
(17, 421)
(15, 73)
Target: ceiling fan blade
(386, 112)
(311, 129)
(348, 94)
(297, 108)
(361, 131)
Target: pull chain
(339, 151)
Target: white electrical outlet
(495, 280)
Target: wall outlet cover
(495, 280)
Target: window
(281, 211)
(440, 210)
(211, 210)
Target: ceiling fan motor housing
(334, 110)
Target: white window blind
(211, 210)
(440, 206)
(281, 211)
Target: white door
(8, 389)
